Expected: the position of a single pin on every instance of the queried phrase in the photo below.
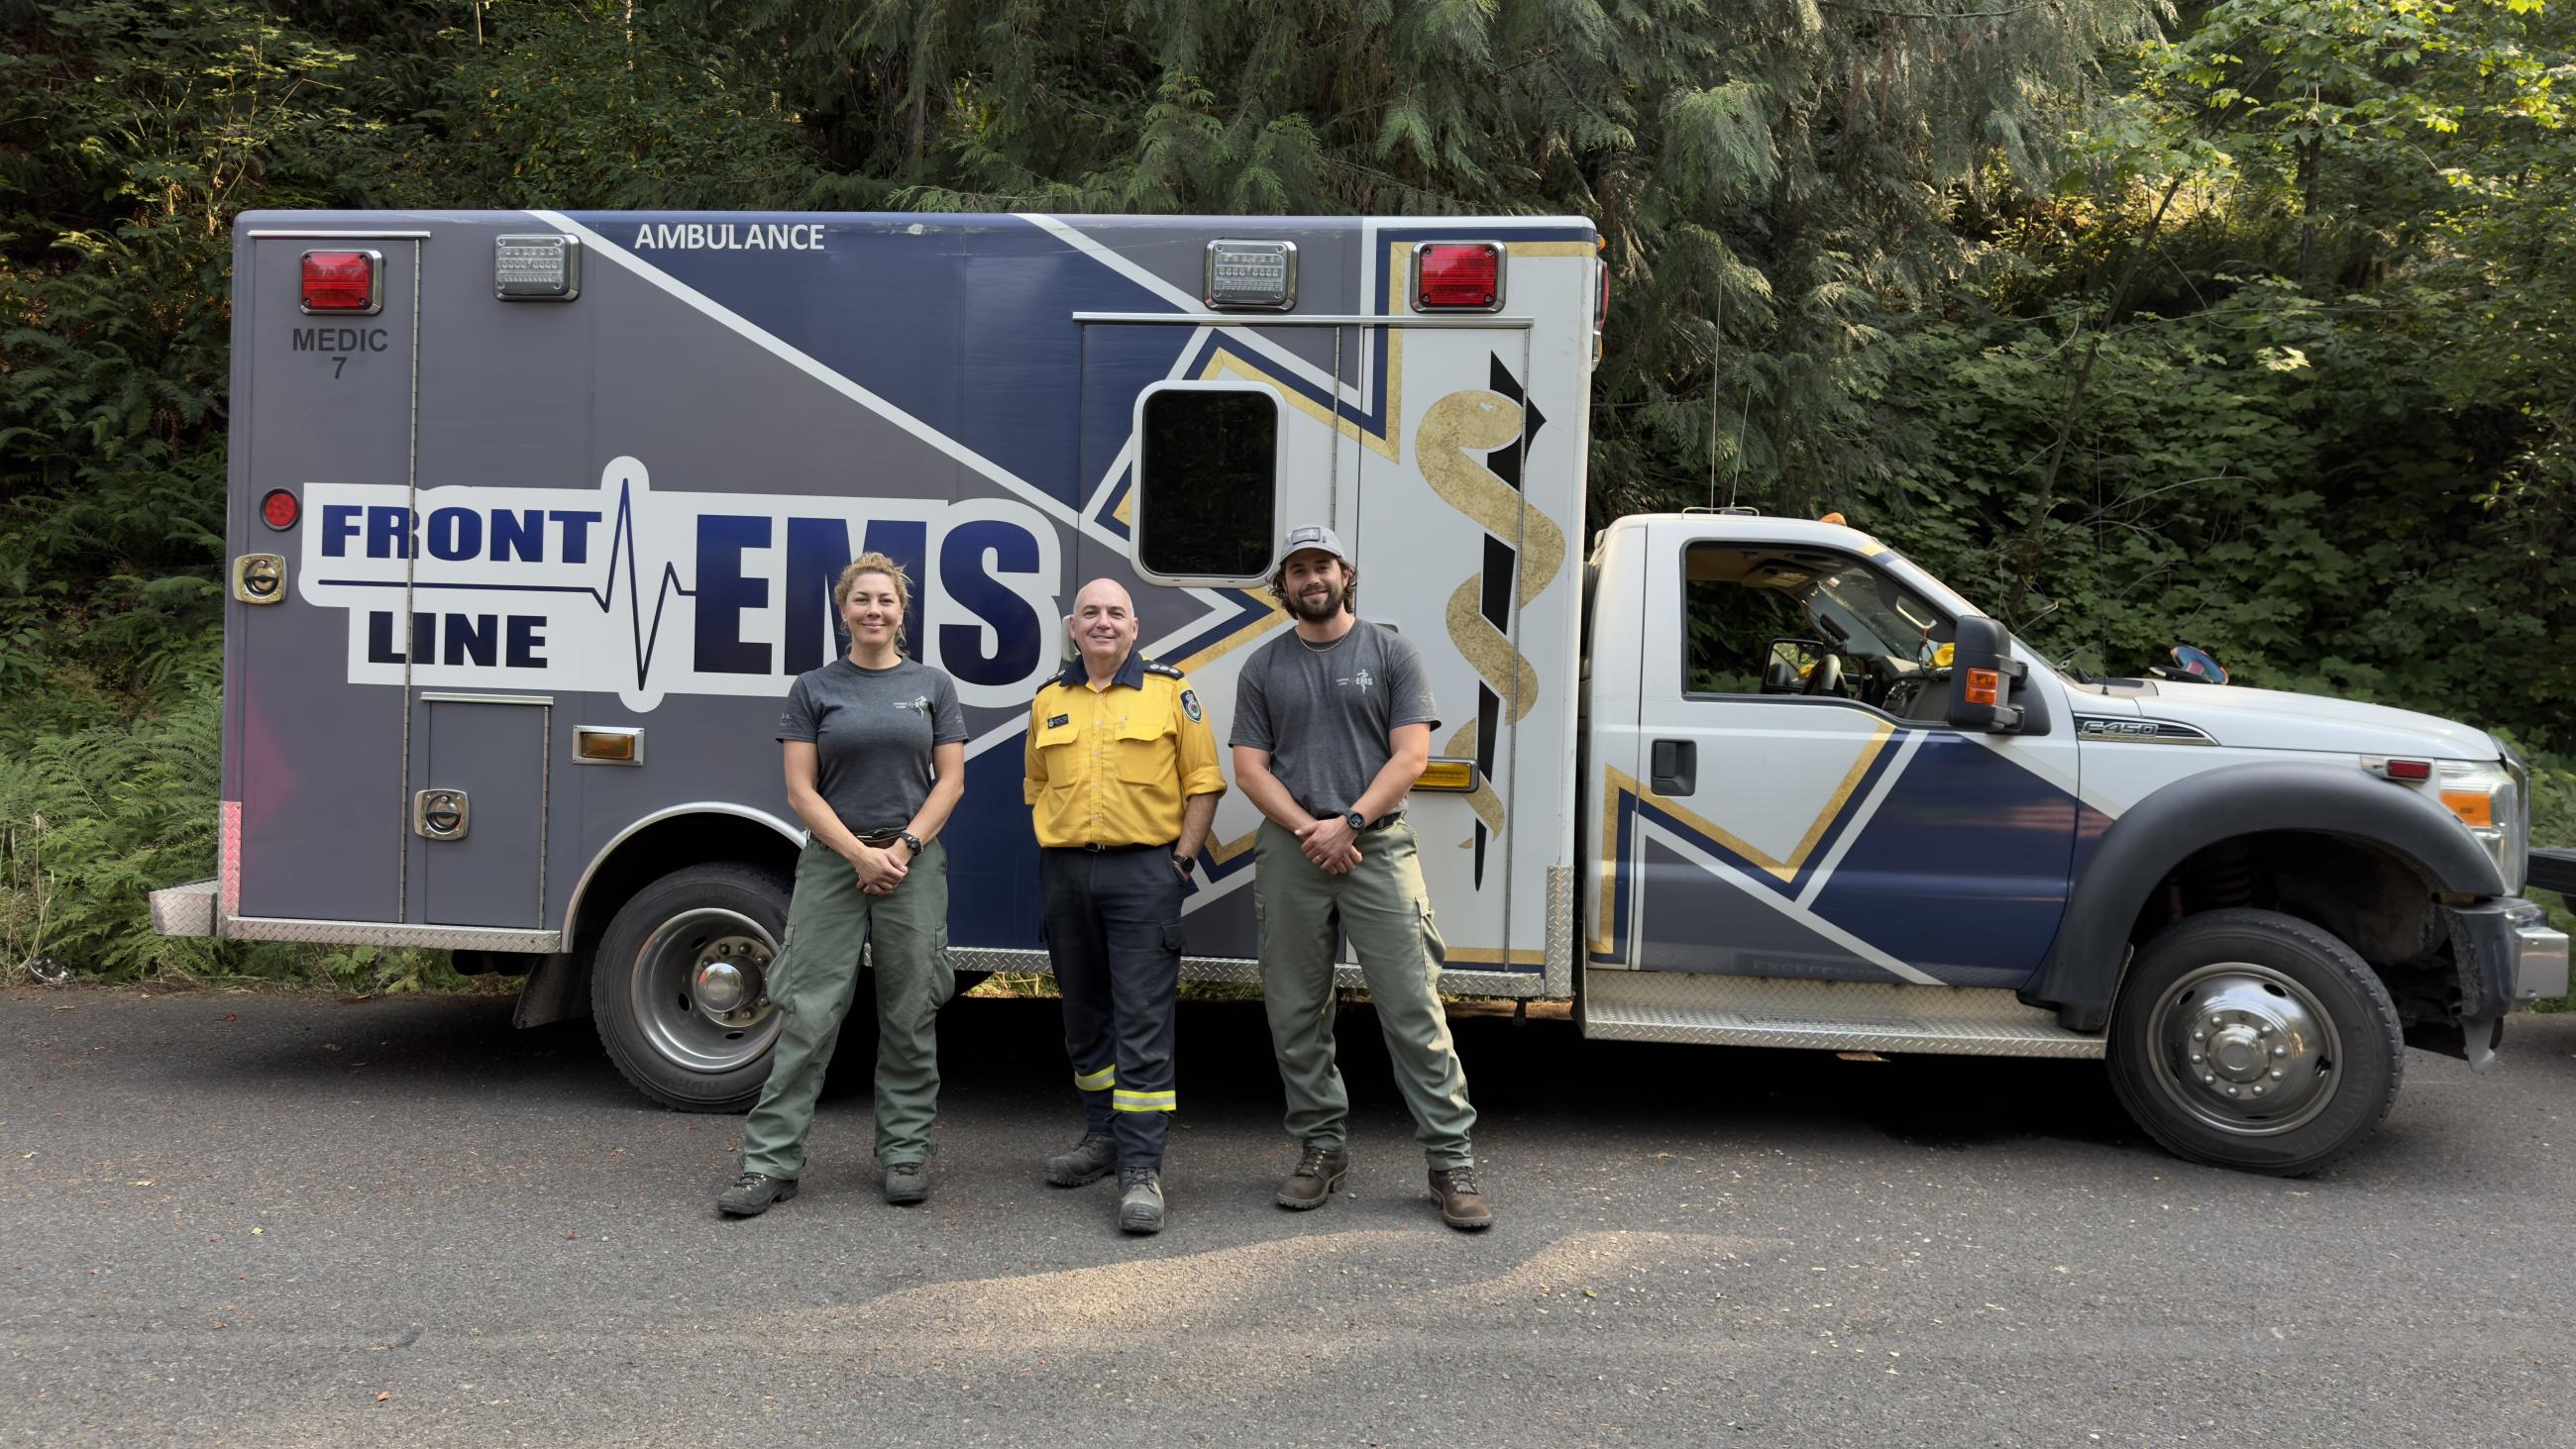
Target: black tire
(2298, 1054)
(656, 1013)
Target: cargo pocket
(1173, 939)
(1435, 951)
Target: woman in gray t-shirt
(876, 760)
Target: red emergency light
(279, 510)
(1457, 277)
(342, 282)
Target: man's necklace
(1314, 648)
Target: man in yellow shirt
(1122, 779)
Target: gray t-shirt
(872, 730)
(1324, 715)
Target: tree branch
(2030, 539)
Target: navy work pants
(1113, 930)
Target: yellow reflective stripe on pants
(1099, 1081)
(1126, 1101)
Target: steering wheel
(1827, 676)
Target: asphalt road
(283, 1218)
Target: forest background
(2250, 325)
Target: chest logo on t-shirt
(918, 704)
(1362, 679)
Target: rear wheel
(678, 990)
(2254, 1040)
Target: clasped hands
(1331, 844)
(879, 871)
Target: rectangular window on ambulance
(1206, 500)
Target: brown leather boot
(1461, 1205)
(1317, 1174)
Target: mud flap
(554, 991)
(2472, 1039)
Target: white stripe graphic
(1698, 855)
(1852, 828)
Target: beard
(1316, 610)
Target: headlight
(2491, 799)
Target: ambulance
(535, 515)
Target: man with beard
(1122, 781)
(1332, 725)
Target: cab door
(314, 789)
(1804, 811)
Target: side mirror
(1982, 676)
(1786, 664)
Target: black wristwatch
(911, 842)
(1188, 864)
(1358, 821)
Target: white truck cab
(1833, 806)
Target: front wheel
(679, 988)
(2254, 1040)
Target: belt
(882, 838)
(1110, 849)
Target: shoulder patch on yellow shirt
(1190, 704)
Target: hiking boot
(907, 1183)
(1140, 1199)
(1318, 1173)
(1461, 1205)
(1090, 1160)
(751, 1194)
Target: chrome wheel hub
(2245, 1049)
(699, 990)
(730, 980)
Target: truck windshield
(1877, 610)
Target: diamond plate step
(1719, 1010)
(185, 910)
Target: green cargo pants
(1383, 906)
(812, 983)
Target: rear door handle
(1676, 767)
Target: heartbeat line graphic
(621, 545)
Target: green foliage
(586, 106)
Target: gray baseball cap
(1315, 535)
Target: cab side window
(1733, 615)
(1776, 619)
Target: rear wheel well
(657, 850)
(2371, 898)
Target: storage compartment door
(478, 812)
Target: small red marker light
(1456, 276)
(340, 282)
(279, 510)
(2410, 769)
